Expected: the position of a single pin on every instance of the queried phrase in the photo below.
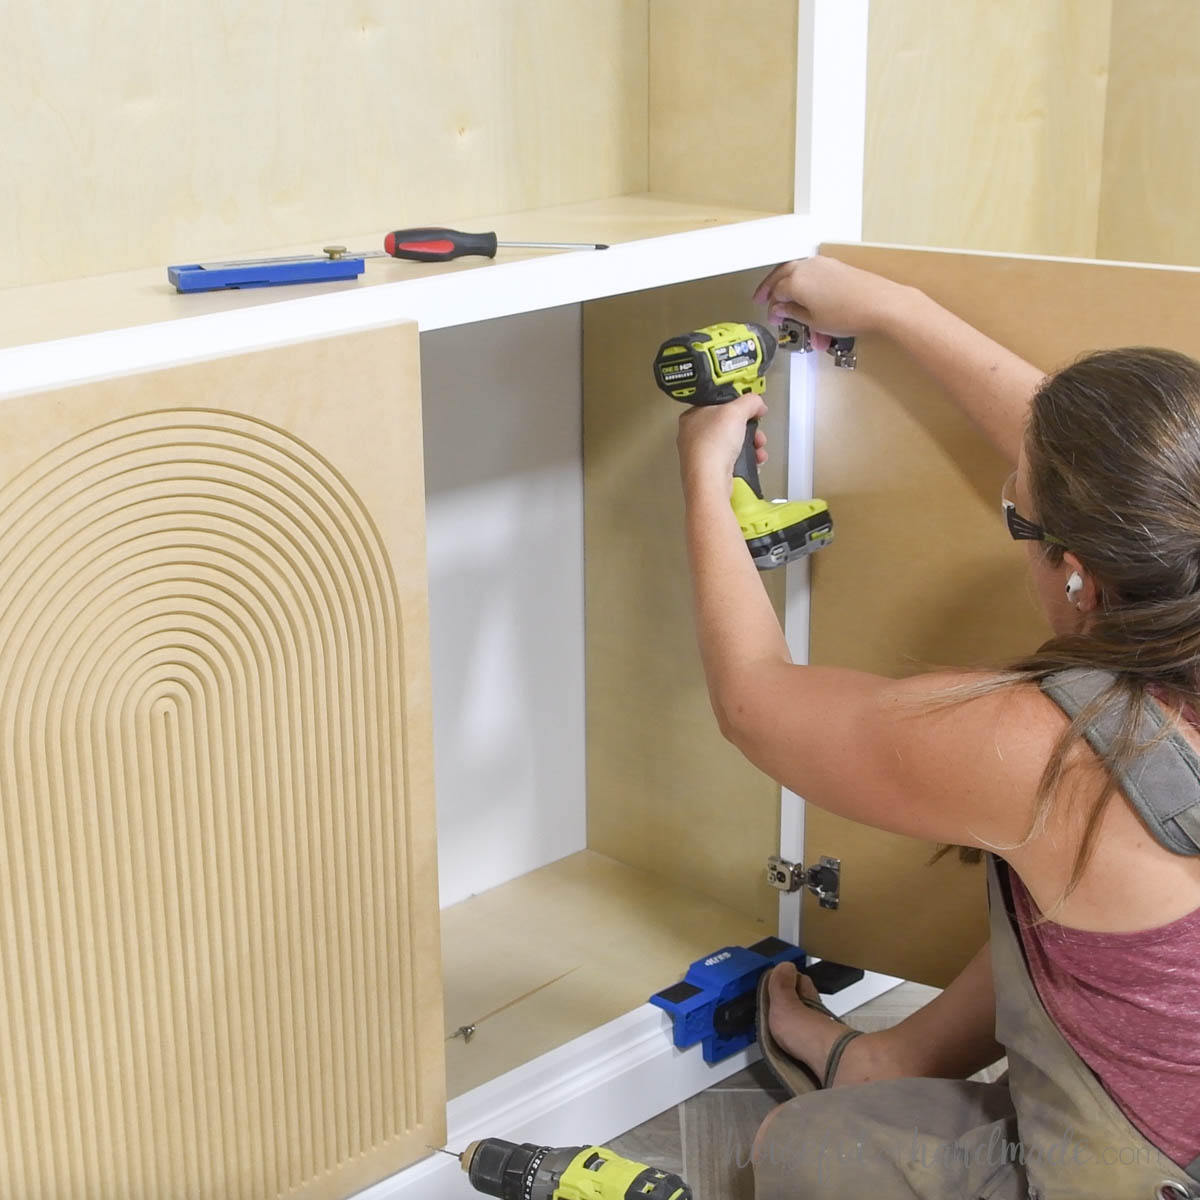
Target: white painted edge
(831, 122)
(800, 448)
(587, 1092)
(791, 847)
(436, 302)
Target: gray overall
(1047, 1131)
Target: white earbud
(1074, 587)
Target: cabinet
(219, 943)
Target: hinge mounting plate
(823, 880)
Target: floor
(708, 1138)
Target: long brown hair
(1112, 448)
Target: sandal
(794, 1075)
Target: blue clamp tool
(334, 263)
(715, 1003)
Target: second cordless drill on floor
(715, 365)
(528, 1172)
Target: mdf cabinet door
(219, 960)
(923, 573)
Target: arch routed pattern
(207, 961)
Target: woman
(1076, 770)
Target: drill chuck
(526, 1172)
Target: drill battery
(783, 530)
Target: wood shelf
(99, 303)
(136, 321)
(622, 934)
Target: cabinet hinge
(795, 335)
(824, 880)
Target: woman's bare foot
(808, 1035)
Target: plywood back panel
(218, 899)
(923, 573)
(666, 792)
(1151, 174)
(985, 123)
(144, 134)
(723, 101)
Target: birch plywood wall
(1150, 198)
(1064, 127)
(723, 101)
(142, 133)
(985, 124)
(218, 898)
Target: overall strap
(1163, 782)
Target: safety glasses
(1022, 529)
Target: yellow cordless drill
(527, 1172)
(715, 365)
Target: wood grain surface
(985, 124)
(723, 101)
(219, 932)
(143, 133)
(1151, 174)
(602, 935)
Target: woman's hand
(829, 296)
(711, 438)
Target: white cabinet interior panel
(504, 495)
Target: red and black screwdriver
(436, 245)
(441, 245)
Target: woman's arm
(737, 628)
(866, 747)
(992, 385)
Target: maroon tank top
(1129, 1005)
